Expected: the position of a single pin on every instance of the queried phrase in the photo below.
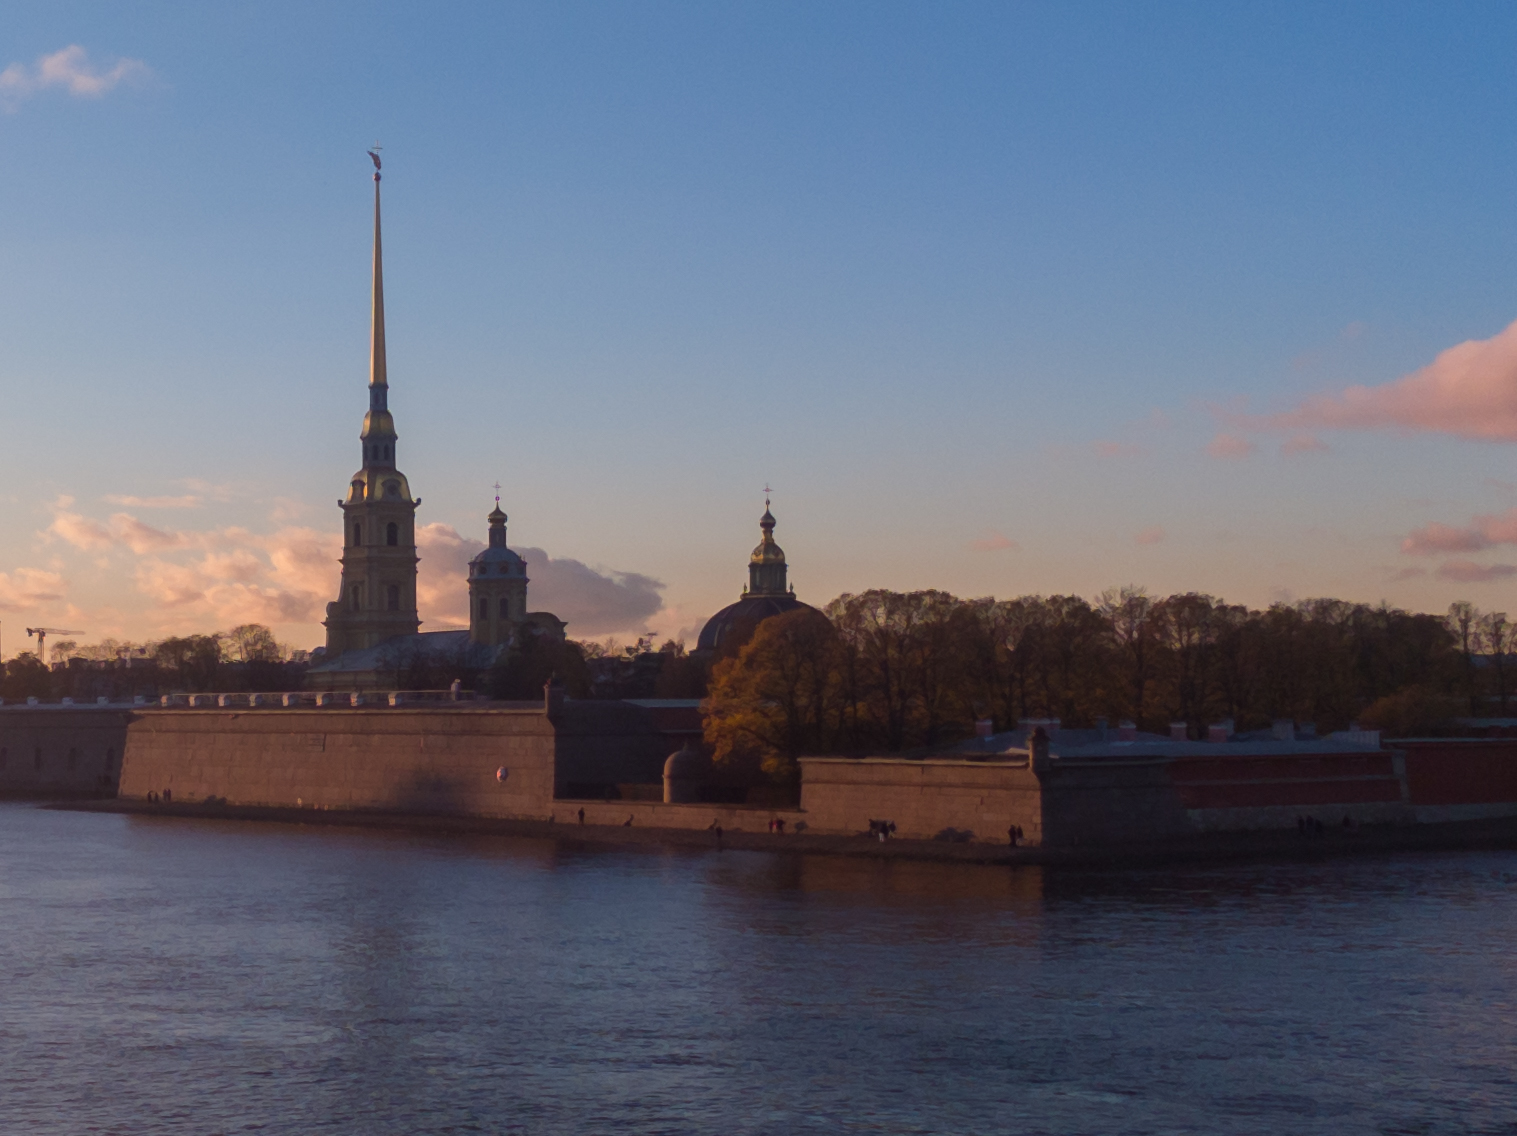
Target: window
(387, 453)
(484, 609)
(392, 596)
(357, 534)
(392, 535)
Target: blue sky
(998, 298)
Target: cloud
(1468, 572)
(28, 588)
(71, 70)
(993, 542)
(1117, 449)
(231, 575)
(77, 529)
(1484, 531)
(591, 601)
(1303, 444)
(188, 501)
(1468, 391)
(1229, 447)
(1150, 535)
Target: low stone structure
(62, 751)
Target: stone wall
(413, 760)
(930, 799)
(60, 751)
(1450, 779)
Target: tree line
(886, 671)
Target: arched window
(392, 534)
(357, 534)
(392, 597)
(484, 609)
(505, 608)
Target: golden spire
(377, 377)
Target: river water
(179, 976)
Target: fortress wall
(926, 799)
(61, 751)
(413, 760)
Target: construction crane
(42, 633)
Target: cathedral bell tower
(378, 596)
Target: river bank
(1200, 848)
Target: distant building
(498, 593)
(374, 639)
(767, 594)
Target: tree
(191, 662)
(252, 643)
(778, 699)
(522, 672)
(25, 677)
(1463, 621)
(1496, 638)
(1129, 613)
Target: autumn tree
(779, 697)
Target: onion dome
(497, 559)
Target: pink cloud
(1150, 535)
(69, 69)
(186, 502)
(1468, 572)
(28, 588)
(1303, 444)
(1484, 531)
(1430, 540)
(993, 542)
(1229, 447)
(1116, 449)
(1469, 391)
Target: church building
(767, 594)
(374, 633)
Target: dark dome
(742, 617)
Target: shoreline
(1202, 848)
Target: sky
(997, 298)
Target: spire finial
(767, 491)
(497, 495)
(378, 376)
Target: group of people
(1311, 826)
(1014, 834)
(884, 829)
(777, 824)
